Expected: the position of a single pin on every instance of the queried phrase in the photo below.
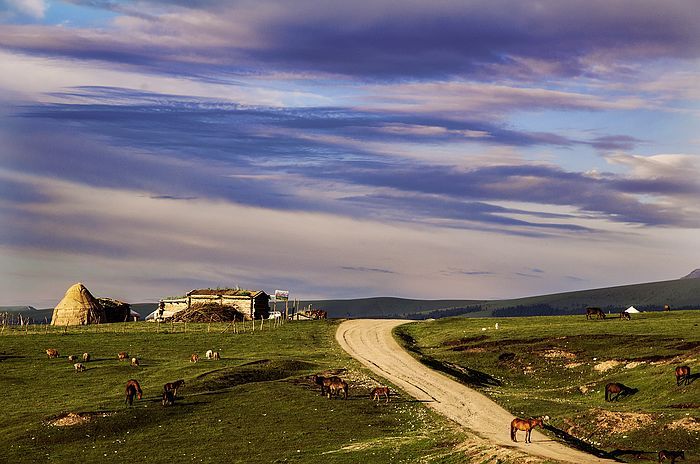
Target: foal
(132, 388)
(682, 375)
(379, 392)
(525, 425)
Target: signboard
(281, 295)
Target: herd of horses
(597, 313)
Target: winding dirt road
(370, 341)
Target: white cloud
(33, 8)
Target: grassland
(559, 365)
(255, 405)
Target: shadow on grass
(579, 444)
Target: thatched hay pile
(208, 312)
(78, 307)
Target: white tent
(631, 309)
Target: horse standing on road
(525, 425)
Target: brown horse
(324, 382)
(379, 392)
(682, 375)
(123, 356)
(625, 315)
(194, 358)
(667, 307)
(132, 388)
(594, 313)
(618, 390)
(672, 455)
(52, 353)
(168, 398)
(525, 425)
(86, 357)
(173, 386)
(336, 386)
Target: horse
(52, 353)
(672, 455)
(72, 358)
(667, 307)
(335, 386)
(379, 392)
(79, 367)
(525, 425)
(86, 357)
(209, 354)
(168, 398)
(618, 390)
(173, 386)
(682, 375)
(597, 312)
(123, 356)
(625, 315)
(324, 382)
(132, 388)
(216, 356)
(134, 362)
(194, 358)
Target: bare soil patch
(606, 365)
(687, 423)
(621, 422)
(70, 419)
(558, 354)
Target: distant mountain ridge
(693, 275)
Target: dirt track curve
(370, 341)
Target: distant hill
(693, 275)
(679, 294)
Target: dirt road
(370, 341)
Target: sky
(441, 149)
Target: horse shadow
(466, 375)
(637, 454)
(579, 444)
(692, 377)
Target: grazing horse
(625, 315)
(132, 388)
(52, 353)
(173, 386)
(672, 455)
(209, 354)
(86, 357)
(123, 356)
(216, 356)
(594, 313)
(72, 358)
(134, 362)
(335, 386)
(79, 367)
(168, 398)
(667, 307)
(618, 390)
(525, 425)
(682, 375)
(194, 358)
(324, 382)
(379, 392)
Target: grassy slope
(252, 406)
(533, 384)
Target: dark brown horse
(625, 315)
(525, 425)
(132, 388)
(379, 392)
(594, 313)
(682, 375)
(672, 455)
(618, 390)
(173, 386)
(168, 398)
(324, 382)
(336, 386)
(52, 353)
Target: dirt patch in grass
(70, 419)
(606, 365)
(621, 422)
(558, 354)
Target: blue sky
(433, 150)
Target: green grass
(511, 365)
(255, 405)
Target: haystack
(78, 307)
(208, 312)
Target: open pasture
(559, 366)
(256, 404)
